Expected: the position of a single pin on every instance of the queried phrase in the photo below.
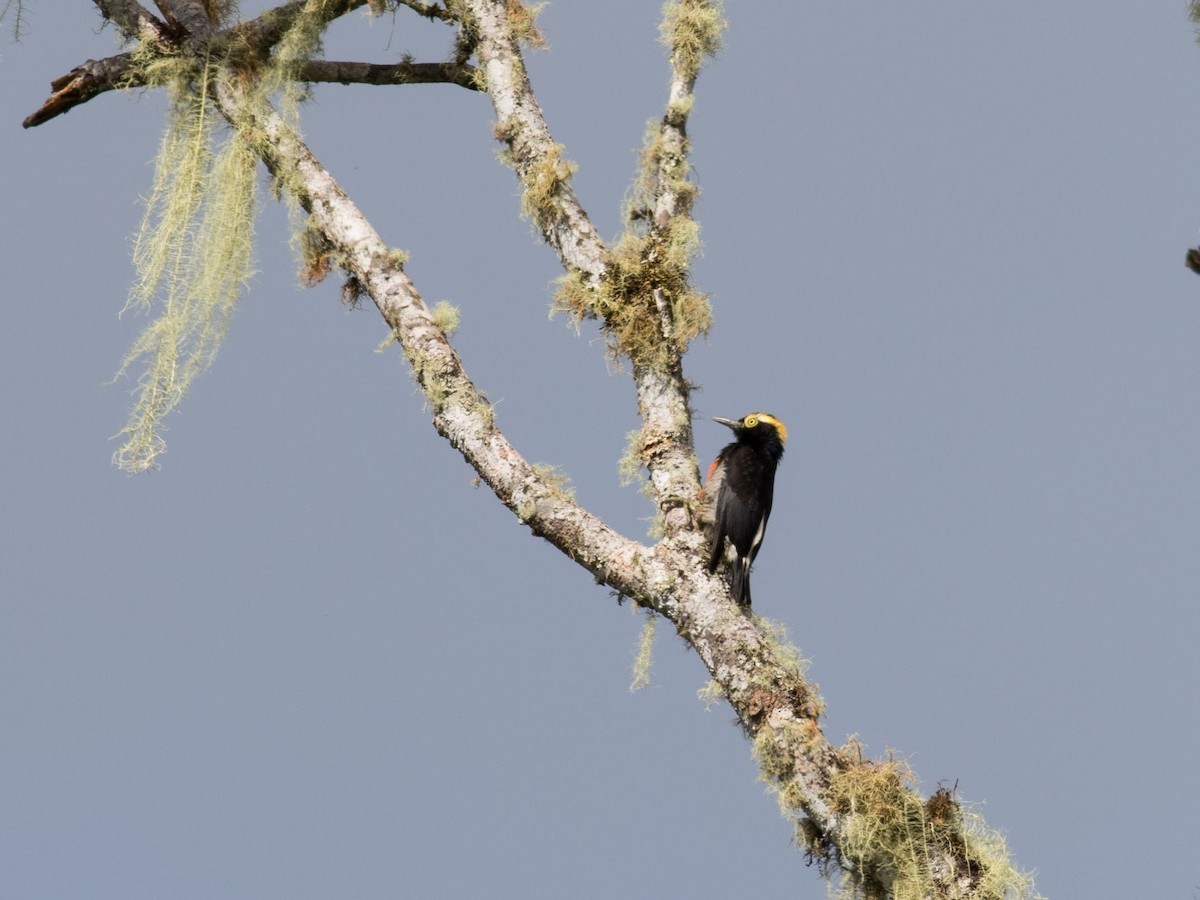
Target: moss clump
(711, 694)
(664, 169)
(775, 751)
(556, 481)
(890, 834)
(782, 649)
(691, 31)
(630, 468)
(543, 183)
(445, 316)
(429, 372)
(796, 691)
(556, 484)
(299, 44)
(506, 130)
(522, 24)
(315, 254)
(649, 311)
(153, 65)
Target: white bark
(777, 707)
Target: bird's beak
(732, 423)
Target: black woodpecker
(739, 488)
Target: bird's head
(756, 427)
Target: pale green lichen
(649, 311)
(644, 658)
(445, 316)
(544, 182)
(889, 830)
(193, 257)
(639, 272)
(555, 480)
(783, 651)
(691, 31)
(889, 835)
(630, 467)
(711, 694)
(392, 339)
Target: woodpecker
(740, 484)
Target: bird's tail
(740, 580)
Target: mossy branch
(496, 32)
(891, 836)
(650, 310)
(852, 815)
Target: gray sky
(307, 659)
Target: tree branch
(256, 37)
(532, 151)
(192, 17)
(79, 86)
(662, 391)
(430, 10)
(460, 412)
(94, 77)
(829, 791)
(131, 18)
(319, 70)
(667, 448)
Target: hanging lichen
(193, 256)
(299, 44)
(644, 658)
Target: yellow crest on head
(754, 419)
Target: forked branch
(915, 847)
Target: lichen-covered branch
(635, 289)
(852, 815)
(549, 200)
(663, 236)
(460, 412)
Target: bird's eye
(751, 421)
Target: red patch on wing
(711, 469)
